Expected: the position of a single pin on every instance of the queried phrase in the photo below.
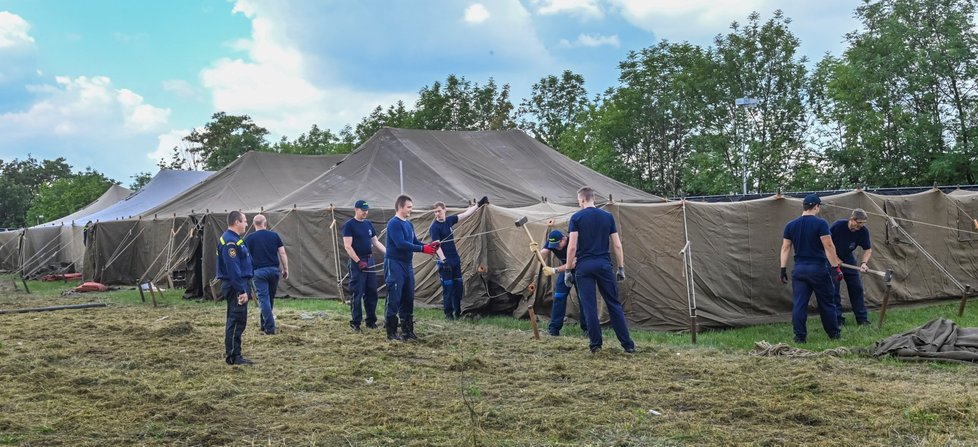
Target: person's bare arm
(785, 252)
(829, 247)
(572, 251)
(348, 246)
(619, 251)
(283, 260)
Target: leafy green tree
(225, 138)
(139, 180)
(760, 61)
(900, 104)
(67, 195)
(555, 106)
(317, 142)
(396, 115)
(20, 181)
(459, 104)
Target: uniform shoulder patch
(232, 252)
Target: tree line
(897, 108)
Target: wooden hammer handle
(875, 272)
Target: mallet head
(888, 276)
(522, 221)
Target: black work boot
(391, 325)
(407, 328)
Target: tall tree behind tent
(900, 104)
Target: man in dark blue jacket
(234, 269)
(557, 244)
(402, 243)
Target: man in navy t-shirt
(359, 240)
(588, 255)
(809, 236)
(847, 234)
(402, 244)
(270, 262)
(449, 263)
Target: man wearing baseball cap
(359, 240)
(557, 244)
(814, 253)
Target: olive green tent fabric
(10, 249)
(509, 167)
(129, 251)
(251, 183)
(938, 340)
(62, 241)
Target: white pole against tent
(400, 166)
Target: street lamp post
(749, 103)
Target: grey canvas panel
(165, 185)
(111, 196)
(10, 249)
(939, 339)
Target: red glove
(430, 249)
(838, 273)
(362, 265)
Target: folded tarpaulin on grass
(939, 339)
(91, 286)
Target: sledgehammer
(533, 315)
(887, 275)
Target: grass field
(133, 374)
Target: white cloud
(168, 141)
(13, 31)
(476, 13)
(585, 9)
(89, 107)
(592, 41)
(179, 87)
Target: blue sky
(115, 84)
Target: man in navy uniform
(270, 263)
(402, 243)
(847, 234)
(815, 264)
(588, 256)
(359, 240)
(234, 269)
(449, 263)
(557, 244)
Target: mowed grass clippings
(133, 374)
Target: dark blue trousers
(854, 285)
(399, 276)
(594, 275)
(451, 284)
(237, 319)
(363, 292)
(266, 286)
(559, 310)
(805, 279)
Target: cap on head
(811, 200)
(361, 204)
(553, 240)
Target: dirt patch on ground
(133, 374)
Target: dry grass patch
(131, 374)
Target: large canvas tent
(454, 167)
(61, 241)
(168, 236)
